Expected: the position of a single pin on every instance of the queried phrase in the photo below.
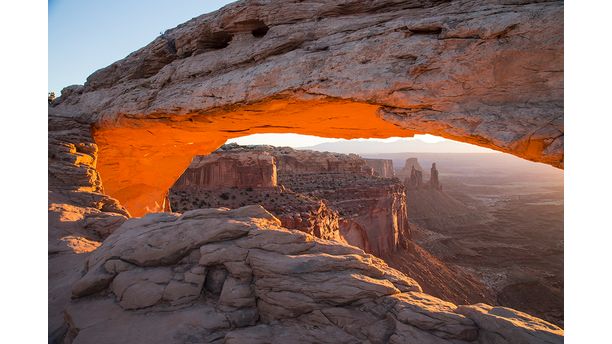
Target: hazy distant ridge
(399, 146)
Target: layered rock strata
(381, 167)
(142, 250)
(362, 209)
(244, 170)
(80, 214)
(488, 73)
(240, 277)
(328, 199)
(294, 210)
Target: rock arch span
(487, 73)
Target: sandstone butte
(488, 73)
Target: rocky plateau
(123, 271)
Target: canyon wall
(488, 73)
(382, 167)
(229, 170)
(294, 210)
(366, 210)
(371, 209)
(190, 274)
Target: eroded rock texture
(484, 72)
(240, 277)
(329, 195)
(381, 167)
(335, 196)
(489, 73)
(80, 214)
(215, 171)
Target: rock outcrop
(329, 200)
(294, 210)
(148, 281)
(406, 171)
(415, 181)
(381, 167)
(487, 73)
(244, 170)
(336, 195)
(434, 180)
(412, 174)
(240, 277)
(80, 214)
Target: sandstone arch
(488, 73)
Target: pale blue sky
(86, 35)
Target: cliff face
(239, 276)
(229, 170)
(291, 161)
(294, 210)
(488, 73)
(372, 210)
(335, 195)
(406, 171)
(382, 167)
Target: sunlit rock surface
(240, 277)
(381, 167)
(80, 215)
(244, 170)
(329, 195)
(488, 73)
(170, 278)
(335, 196)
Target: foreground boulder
(236, 276)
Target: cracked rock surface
(236, 276)
(488, 73)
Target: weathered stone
(328, 292)
(505, 325)
(486, 73)
(216, 171)
(215, 279)
(140, 288)
(177, 292)
(432, 314)
(381, 167)
(480, 72)
(237, 294)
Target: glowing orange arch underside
(139, 159)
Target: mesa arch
(490, 74)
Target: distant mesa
(406, 171)
(434, 182)
(381, 167)
(330, 195)
(230, 169)
(412, 175)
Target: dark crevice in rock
(213, 41)
(260, 31)
(426, 30)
